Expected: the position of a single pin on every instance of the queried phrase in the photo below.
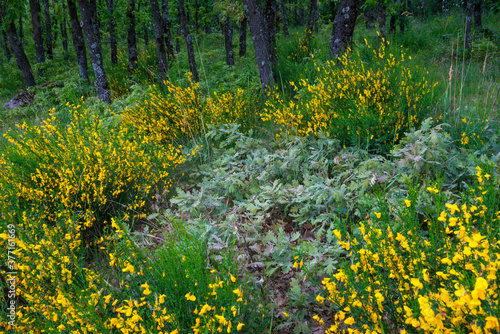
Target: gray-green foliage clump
(259, 190)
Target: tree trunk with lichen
(189, 41)
(343, 26)
(15, 45)
(478, 24)
(468, 24)
(269, 11)
(166, 29)
(160, 40)
(243, 36)
(284, 19)
(313, 9)
(131, 36)
(37, 31)
(89, 23)
(228, 41)
(48, 29)
(259, 37)
(78, 40)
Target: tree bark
(269, 15)
(284, 18)
(189, 41)
(477, 14)
(131, 38)
(48, 29)
(166, 29)
(63, 25)
(15, 45)
(78, 40)
(422, 8)
(112, 32)
(468, 23)
(228, 41)
(37, 31)
(313, 8)
(89, 22)
(259, 36)
(97, 26)
(343, 26)
(160, 40)
(243, 36)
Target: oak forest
(249, 166)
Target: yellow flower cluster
(354, 102)
(60, 184)
(83, 166)
(212, 319)
(446, 283)
(186, 111)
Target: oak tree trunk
(78, 40)
(284, 18)
(468, 23)
(269, 11)
(313, 9)
(131, 38)
(89, 22)
(477, 14)
(243, 36)
(37, 31)
(166, 29)
(228, 41)
(160, 40)
(15, 45)
(189, 41)
(343, 26)
(48, 29)
(112, 32)
(259, 36)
